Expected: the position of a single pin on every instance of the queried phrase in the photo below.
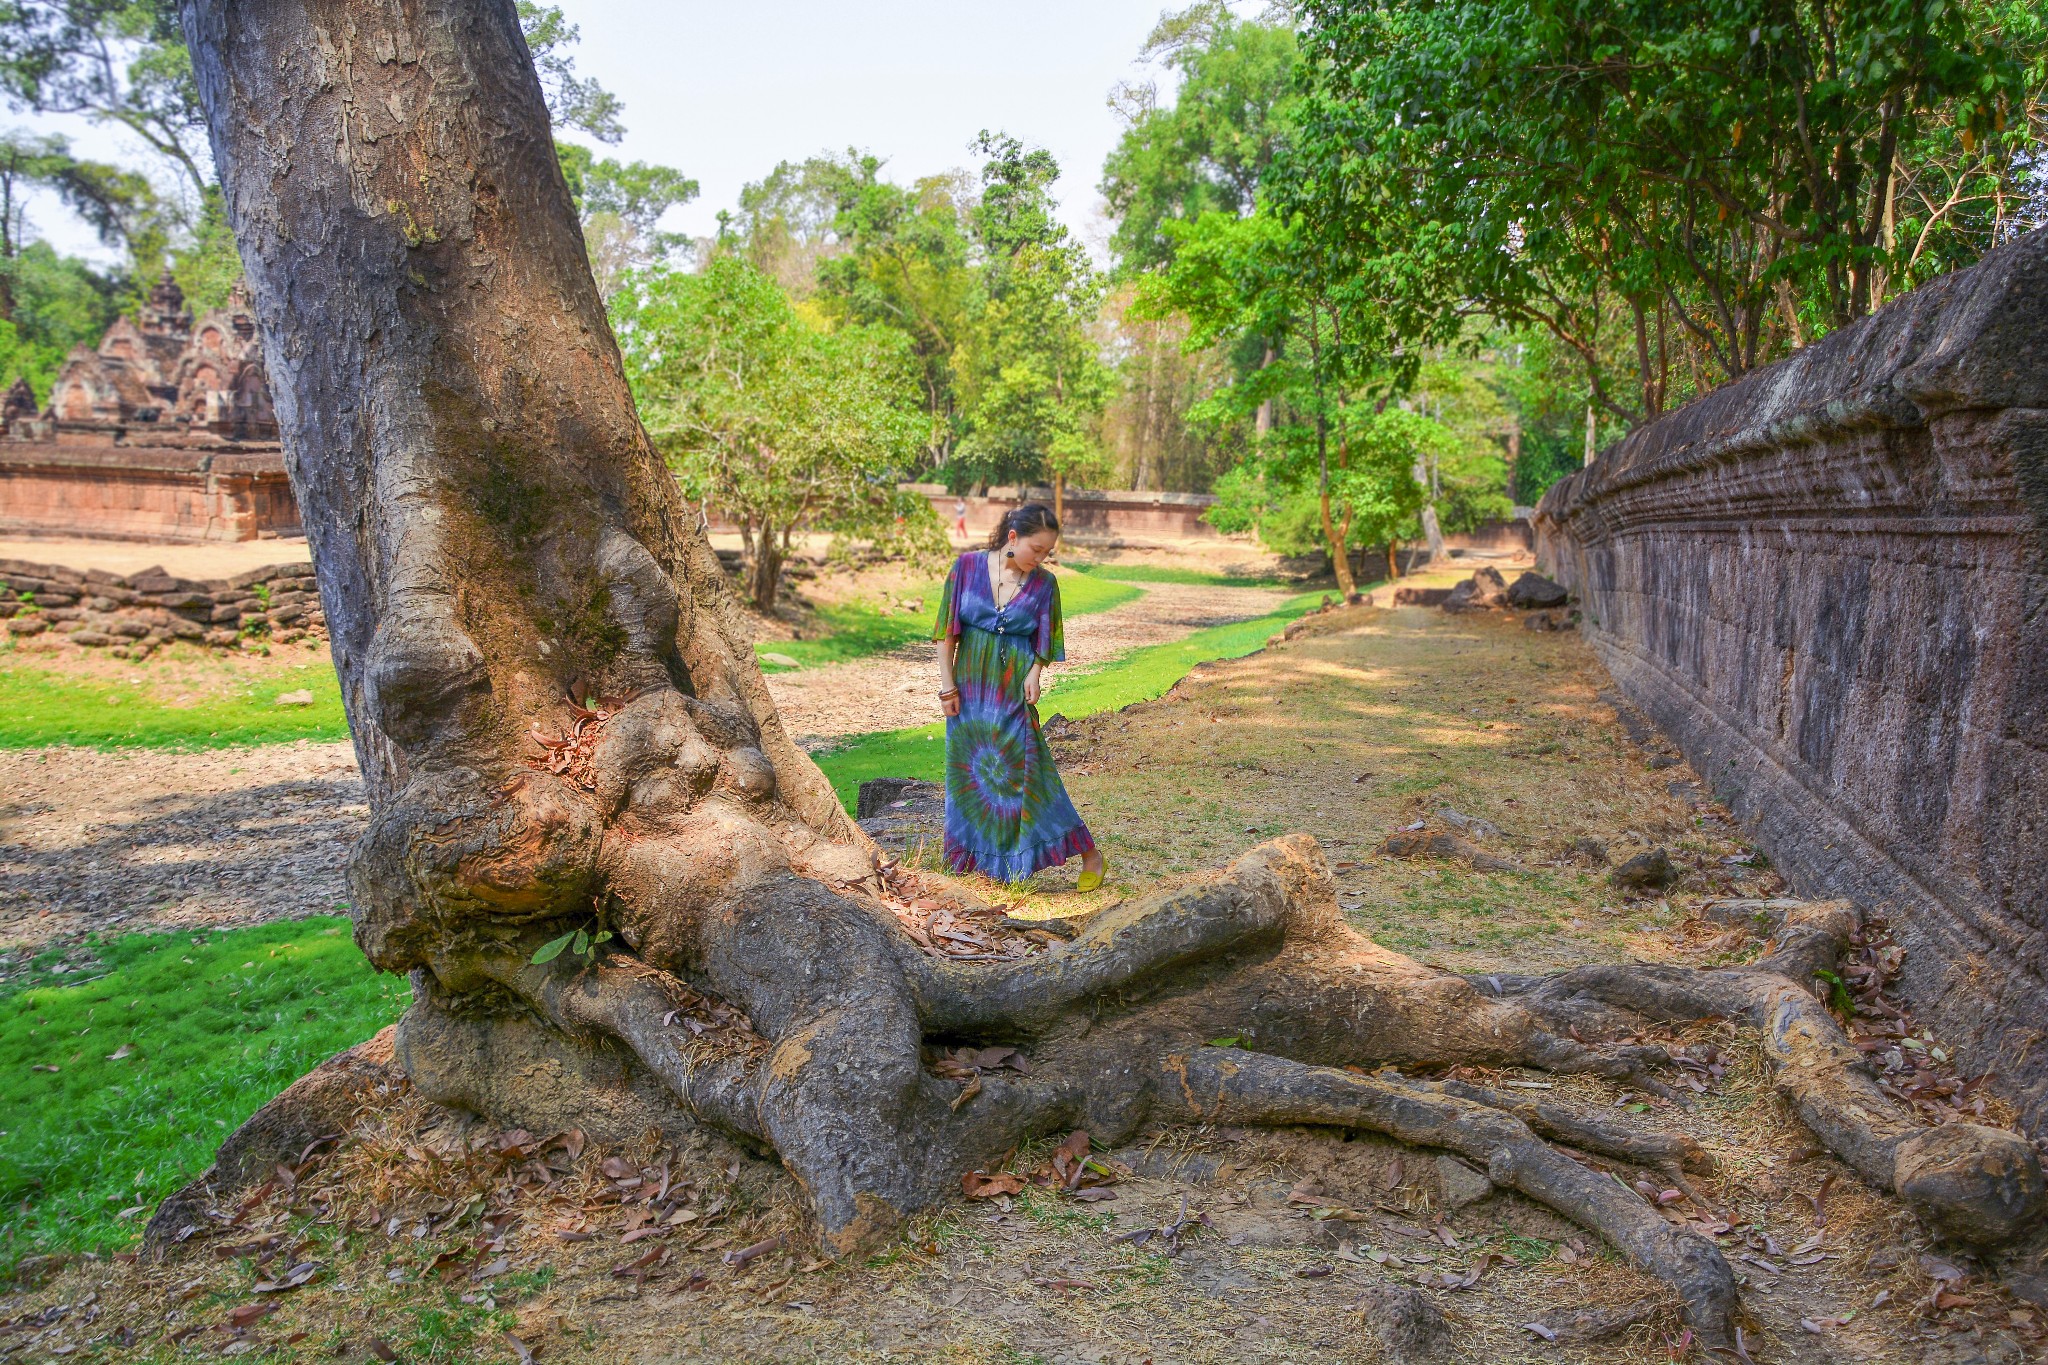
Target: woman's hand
(950, 704)
(1031, 687)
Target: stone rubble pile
(134, 615)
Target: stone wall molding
(1828, 583)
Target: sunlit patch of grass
(1162, 573)
(117, 1084)
(40, 707)
(860, 630)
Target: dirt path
(140, 839)
(896, 690)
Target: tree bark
(1340, 553)
(764, 568)
(561, 726)
(1433, 534)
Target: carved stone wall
(1829, 584)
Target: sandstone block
(186, 630)
(284, 616)
(96, 638)
(27, 625)
(1533, 590)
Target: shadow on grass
(39, 707)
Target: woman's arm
(949, 691)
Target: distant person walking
(960, 518)
(1007, 813)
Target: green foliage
(114, 61)
(153, 1054)
(206, 263)
(621, 204)
(1661, 187)
(1032, 380)
(1207, 151)
(577, 943)
(885, 255)
(1331, 326)
(577, 102)
(39, 708)
(787, 425)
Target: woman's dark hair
(1027, 520)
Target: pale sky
(722, 91)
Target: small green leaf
(552, 949)
(1637, 1108)
(1223, 1042)
(602, 936)
(582, 947)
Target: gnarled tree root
(1970, 1182)
(1221, 1085)
(837, 1080)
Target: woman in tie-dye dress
(1007, 814)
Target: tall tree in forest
(788, 427)
(1032, 379)
(563, 734)
(1206, 151)
(1332, 340)
(904, 260)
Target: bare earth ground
(1370, 720)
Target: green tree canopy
(1032, 379)
(1207, 150)
(1712, 182)
(786, 425)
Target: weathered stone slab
(1828, 583)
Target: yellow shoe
(1091, 880)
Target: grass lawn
(117, 1082)
(148, 709)
(861, 629)
(1138, 675)
(1162, 573)
(206, 703)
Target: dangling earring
(1009, 554)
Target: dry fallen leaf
(981, 1185)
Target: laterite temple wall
(1828, 583)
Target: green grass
(1135, 676)
(215, 1023)
(859, 630)
(1159, 573)
(38, 707)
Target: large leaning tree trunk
(561, 726)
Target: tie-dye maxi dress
(1007, 813)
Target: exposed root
(1587, 1132)
(1230, 1086)
(1971, 1182)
